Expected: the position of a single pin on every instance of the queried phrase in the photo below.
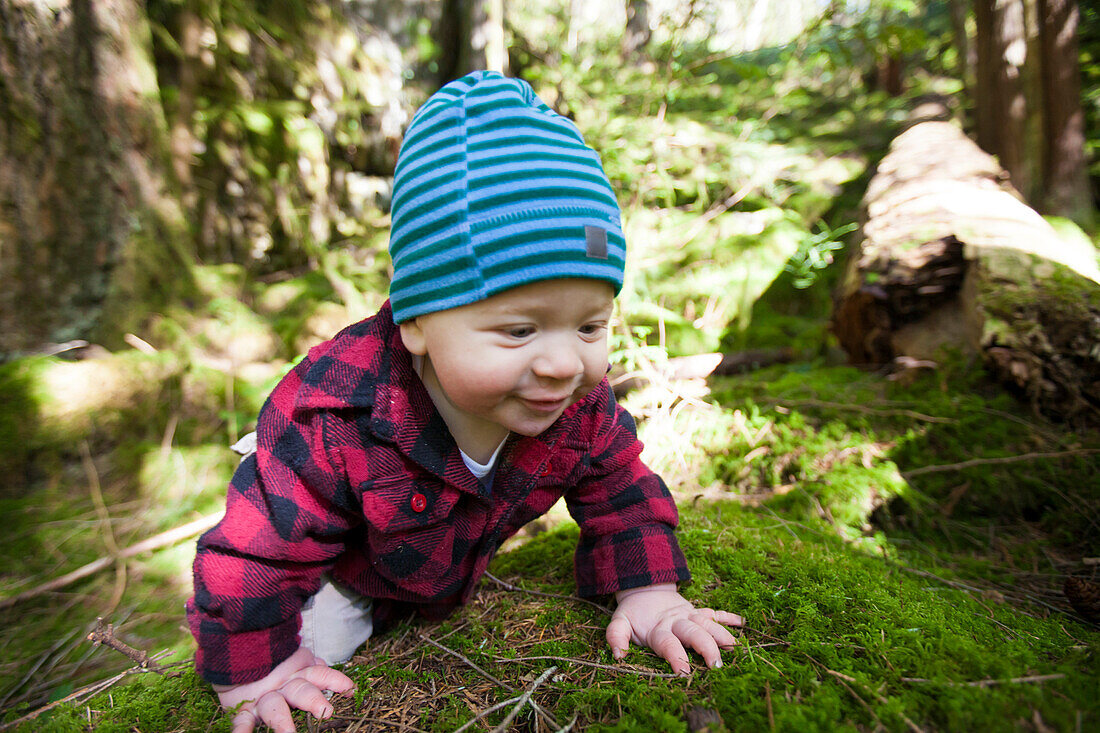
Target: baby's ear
(413, 337)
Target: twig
(586, 663)
(467, 662)
(487, 712)
(37, 665)
(164, 539)
(538, 708)
(944, 467)
(768, 700)
(845, 679)
(88, 691)
(516, 588)
(104, 633)
(337, 719)
(105, 521)
(861, 408)
(1013, 595)
(523, 700)
(990, 683)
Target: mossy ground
(838, 636)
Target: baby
(394, 460)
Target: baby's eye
(591, 329)
(520, 332)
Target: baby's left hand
(657, 616)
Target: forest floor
(897, 542)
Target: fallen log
(950, 258)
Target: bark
(1064, 164)
(89, 235)
(967, 60)
(182, 140)
(1000, 104)
(472, 38)
(638, 32)
(951, 259)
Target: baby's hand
(657, 616)
(296, 683)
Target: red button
(419, 502)
(546, 470)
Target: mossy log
(950, 258)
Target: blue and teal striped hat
(493, 190)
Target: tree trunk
(1064, 170)
(964, 49)
(951, 259)
(182, 139)
(637, 34)
(472, 38)
(1000, 103)
(88, 229)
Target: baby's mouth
(546, 406)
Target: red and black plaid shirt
(356, 474)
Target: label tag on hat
(595, 241)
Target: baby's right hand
(296, 683)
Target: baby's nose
(558, 361)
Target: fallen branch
(897, 412)
(945, 467)
(989, 683)
(156, 542)
(586, 663)
(517, 589)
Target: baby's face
(515, 361)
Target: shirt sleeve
(626, 514)
(287, 513)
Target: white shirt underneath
(481, 470)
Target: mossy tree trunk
(92, 236)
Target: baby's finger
(664, 642)
(729, 619)
(273, 710)
(698, 638)
(720, 634)
(305, 695)
(618, 636)
(705, 617)
(327, 678)
(244, 721)
(723, 617)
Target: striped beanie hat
(494, 190)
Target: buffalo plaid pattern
(357, 475)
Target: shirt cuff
(630, 559)
(225, 658)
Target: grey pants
(336, 622)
